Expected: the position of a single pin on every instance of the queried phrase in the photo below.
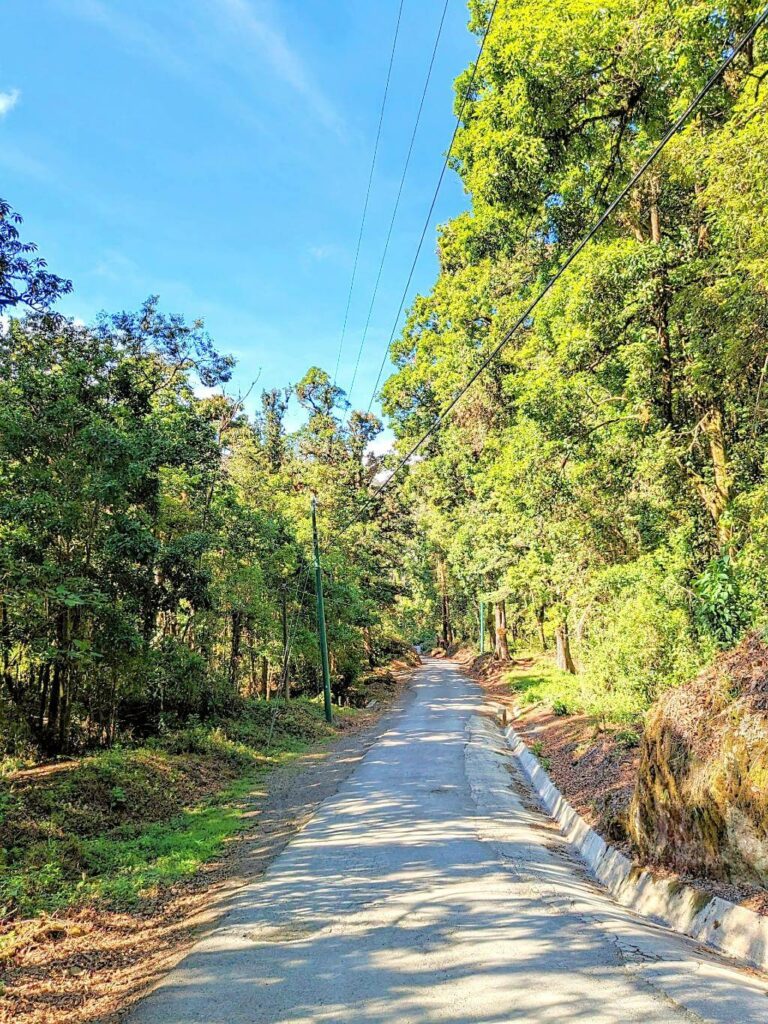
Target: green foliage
(154, 546)
(602, 484)
(719, 605)
(537, 748)
(124, 823)
(641, 642)
(541, 683)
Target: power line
(399, 195)
(676, 126)
(368, 189)
(428, 218)
(650, 160)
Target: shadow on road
(391, 907)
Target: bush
(720, 608)
(638, 643)
(124, 822)
(545, 684)
(210, 742)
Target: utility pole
(482, 626)
(321, 616)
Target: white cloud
(170, 47)
(324, 252)
(8, 101)
(272, 45)
(114, 266)
(384, 444)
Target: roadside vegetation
(602, 487)
(600, 493)
(117, 826)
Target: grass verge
(119, 826)
(535, 680)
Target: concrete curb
(733, 930)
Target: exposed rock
(701, 800)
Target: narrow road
(427, 890)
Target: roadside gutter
(736, 931)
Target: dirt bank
(596, 769)
(701, 800)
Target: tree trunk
(253, 684)
(54, 703)
(234, 651)
(540, 613)
(447, 629)
(563, 658)
(284, 681)
(265, 678)
(716, 495)
(284, 623)
(445, 609)
(45, 682)
(368, 646)
(53, 740)
(661, 319)
(500, 648)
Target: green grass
(126, 823)
(541, 683)
(121, 869)
(537, 748)
(538, 681)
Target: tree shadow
(391, 906)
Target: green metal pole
(482, 627)
(321, 616)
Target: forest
(155, 556)
(602, 486)
(601, 489)
(573, 504)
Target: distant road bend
(426, 891)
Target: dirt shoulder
(595, 768)
(93, 964)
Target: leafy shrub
(118, 825)
(627, 738)
(639, 642)
(720, 609)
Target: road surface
(428, 890)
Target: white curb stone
(731, 929)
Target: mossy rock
(701, 800)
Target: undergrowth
(120, 825)
(537, 681)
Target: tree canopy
(606, 473)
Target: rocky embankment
(700, 804)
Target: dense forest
(601, 488)
(156, 543)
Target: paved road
(427, 891)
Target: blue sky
(216, 152)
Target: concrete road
(427, 891)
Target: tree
(600, 466)
(24, 277)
